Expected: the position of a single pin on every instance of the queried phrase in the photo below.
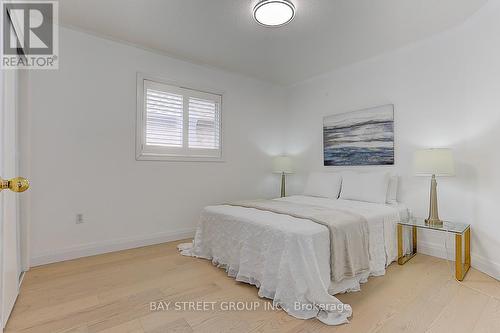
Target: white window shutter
(164, 118)
(204, 124)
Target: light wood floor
(112, 293)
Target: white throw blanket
(349, 255)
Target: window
(177, 123)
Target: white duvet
(288, 258)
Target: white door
(10, 259)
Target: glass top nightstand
(460, 230)
(456, 228)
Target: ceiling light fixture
(274, 13)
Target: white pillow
(323, 184)
(370, 187)
(392, 192)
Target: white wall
(81, 139)
(446, 92)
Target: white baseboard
(432, 249)
(480, 263)
(486, 266)
(91, 249)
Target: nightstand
(461, 231)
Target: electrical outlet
(79, 218)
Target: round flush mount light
(274, 13)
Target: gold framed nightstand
(462, 235)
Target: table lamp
(434, 162)
(282, 165)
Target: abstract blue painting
(363, 137)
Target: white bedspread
(288, 258)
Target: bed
(288, 258)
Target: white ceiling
(325, 34)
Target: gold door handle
(18, 184)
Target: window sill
(173, 158)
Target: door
(10, 256)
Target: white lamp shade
(282, 164)
(437, 161)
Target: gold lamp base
(433, 218)
(283, 191)
(434, 223)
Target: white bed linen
(288, 258)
